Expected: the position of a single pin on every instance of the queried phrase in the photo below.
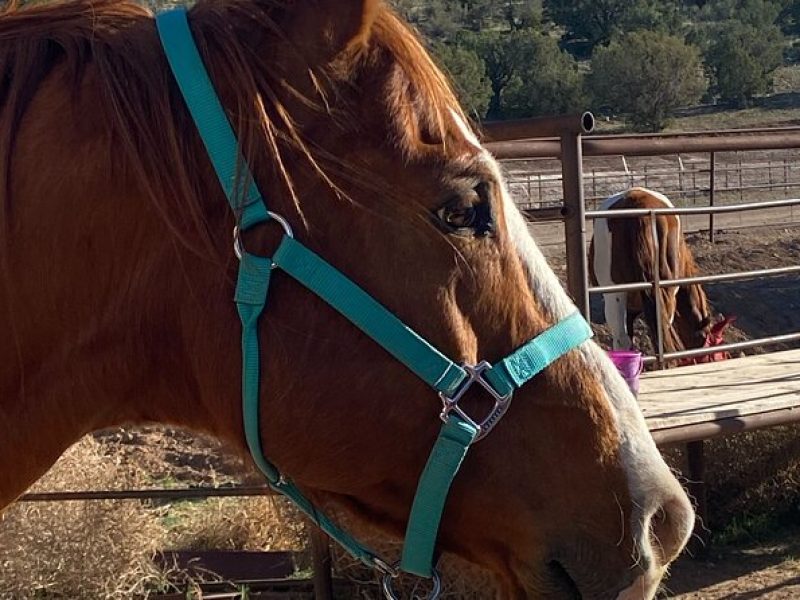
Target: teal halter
(449, 379)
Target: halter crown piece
(449, 379)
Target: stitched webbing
(372, 318)
(523, 364)
(510, 373)
(434, 484)
(210, 118)
(251, 296)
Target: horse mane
(690, 269)
(153, 138)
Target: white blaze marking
(466, 131)
(647, 474)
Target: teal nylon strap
(372, 318)
(510, 373)
(426, 512)
(210, 118)
(456, 436)
(350, 300)
(254, 272)
(251, 296)
(526, 362)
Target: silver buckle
(392, 573)
(238, 249)
(501, 403)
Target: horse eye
(470, 214)
(458, 217)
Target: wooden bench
(688, 405)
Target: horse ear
(323, 29)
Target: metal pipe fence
(543, 189)
(657, 283)
(189, 493)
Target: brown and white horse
(117, 275)
(622, 251)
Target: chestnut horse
(118, 275)
(622, 251)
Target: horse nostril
(670, 527)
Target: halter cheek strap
(459, 431)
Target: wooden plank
(717, 391)
(723, 427)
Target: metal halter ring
(388, 588)
(238, 250)
(501, 403)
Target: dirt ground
(754, 571)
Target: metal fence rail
(692, 210)
(537, 190)
(658, 283)
(189, 493)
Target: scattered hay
(105, 549)
(260, 523)
(80, 549)
(460, 579)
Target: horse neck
(117, 351)
(103, 318)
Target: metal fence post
(321, 559)
(741, 191)
(659, 305)
(785, 177)
(712, 188)
(575, 220)
(695, 458)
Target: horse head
(117, 288)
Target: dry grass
(787, 79)
(460, 579)
(80, 549)
(236, 524)
(105, 549)
(754, 481)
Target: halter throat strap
(459, 431)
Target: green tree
(546, 80)
(742, 59)
(524, 14)
(496, 49)
(757, 13)
(789, 17)
(597, 21)
(647, 75)
(468, 74)
(527, 72)
(438, 20)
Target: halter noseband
(449, 379)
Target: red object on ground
(715, 337)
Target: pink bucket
(629, 363)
